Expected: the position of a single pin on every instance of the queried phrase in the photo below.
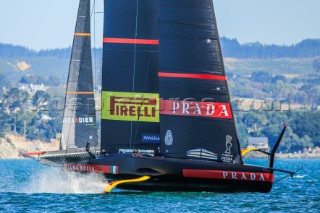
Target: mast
(197, 121)
(79, 121)
(130, 93)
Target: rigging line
(144, 89)
(135, 48)
(95, 67)
(94, 41)
(145, 83)
(289, 175)
(285, 177)
(134, 64)
(95, 74)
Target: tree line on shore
(19, 110)
(308, 48)
(32, 117)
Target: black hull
(179, 174)
(196, 185)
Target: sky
(47, 24)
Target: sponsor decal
(141, 151)
(150, 138)
(195, 108)
(91, 168)
(125, 106)
(169, 138)
(229, 175)
(228, 157)
(228, 144)
(80, 120)
(202, 153)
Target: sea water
(26, 186)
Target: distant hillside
(14, 51)
(275, 66)
(17, 62)
(231, 48)
(308, 48)
(271, 76)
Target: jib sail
(130, 92)
(79, 121)
(196, 116)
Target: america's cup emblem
(228, 144)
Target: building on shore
(33, 88)
(258, 142)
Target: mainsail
(130, 92)
(79, 121)
(196, 119)
(196, 115)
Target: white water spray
(55, 180)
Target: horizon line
(222, 37)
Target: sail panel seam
(80, 93)
(147, 51)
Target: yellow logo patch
(126, 106)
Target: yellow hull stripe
(247, 150)
(114, 184)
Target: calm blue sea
(26, 186)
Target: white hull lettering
(243, 176)
(253, 176)
(84, 120)
(196, 108)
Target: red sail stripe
(195, 76)
(130, 41)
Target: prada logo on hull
(229, 175)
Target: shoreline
(285, 156)
(13, 146)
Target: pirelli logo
(125, 106)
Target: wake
(55, 180)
